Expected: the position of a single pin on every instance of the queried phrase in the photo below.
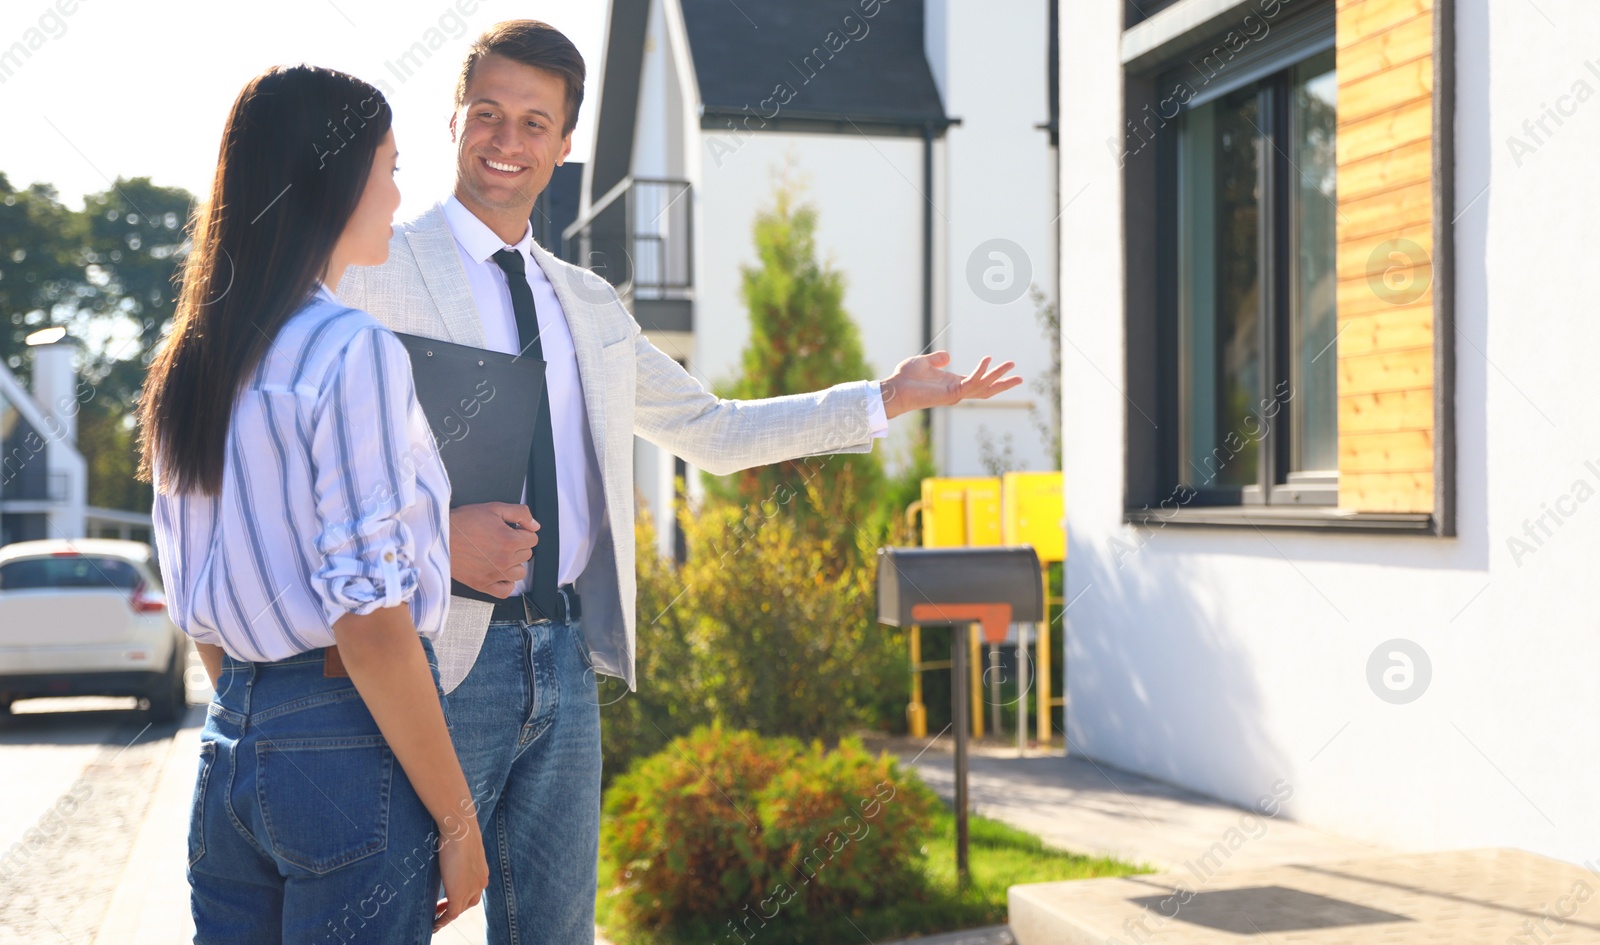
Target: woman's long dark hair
(296, 151)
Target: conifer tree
(802, 340)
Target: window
(1248, 210)
(75, 571)
(1261, 387)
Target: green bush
(756, 630)
(871, 853)
(679, 825)
(728, 829)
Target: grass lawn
(1000, 857)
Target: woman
(301, 522)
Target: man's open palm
(920, 382)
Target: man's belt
(520, 608)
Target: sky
(133, 88)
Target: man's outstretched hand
(919, 382)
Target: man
(520, 673)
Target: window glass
(1314, 434)
(75, 571)
(1219, 290)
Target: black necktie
(542, 457)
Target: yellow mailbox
(1020, 508)
(962, 512)
(1034, 513)
(1032, 508)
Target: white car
(87, 617)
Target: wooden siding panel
(1404, 326)
(1406, 42)
(1386, 91)
(1408, 247)
(1405, 369)
(1388, 412)
(1386, 492)
(1386, 171)
(1356, 299)
(1400, 451)
(1362, 21)
(1386, 212)
(1385, 131)
(1386, 337)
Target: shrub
(680, 825)
(848, 827)
(728, 829)
(754, 629)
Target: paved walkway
(1228, 876)
(1076, 804)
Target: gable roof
(842, 65)
(619, 96)
(877, 82)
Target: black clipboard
(480, 405)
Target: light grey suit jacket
(629, 386)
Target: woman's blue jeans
(304, 828)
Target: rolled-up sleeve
(366, 477)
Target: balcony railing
(639, 238)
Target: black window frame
(1150, 499)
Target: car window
(68, 571)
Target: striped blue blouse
(334, 500)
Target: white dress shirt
(578, 493)
(334, 500)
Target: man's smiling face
(508, 137)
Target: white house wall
(997, 195)
(869, 227)
(54, 445)
(658, 126)
(1225, 660)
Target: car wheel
(170, 697)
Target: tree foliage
(760, 628)
(106, 273)
(803, 340)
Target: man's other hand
(919, 383)
(490, 545)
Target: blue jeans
(526, 725)
(304, 828)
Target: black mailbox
(992, 587)
(911, 576)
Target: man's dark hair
(532, 43)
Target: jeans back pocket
(325, 801)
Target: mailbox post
(991, 587)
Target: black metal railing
(639, 237)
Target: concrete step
(1462, 897)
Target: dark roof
(881, 76)
(619, 96)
